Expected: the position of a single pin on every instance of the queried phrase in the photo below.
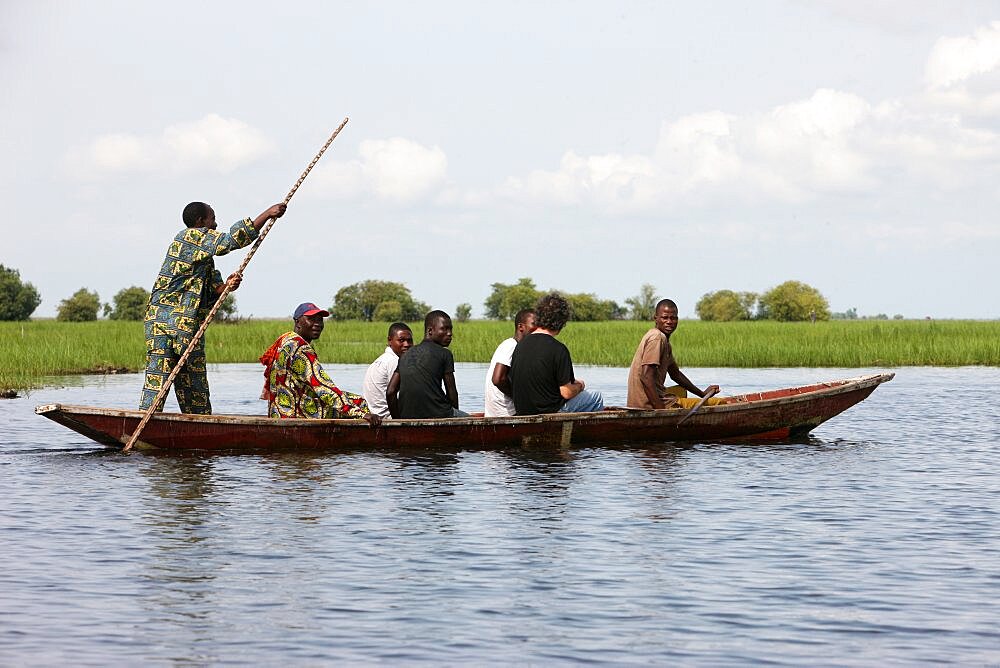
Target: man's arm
(450, 389)
(276, 211)
(215, 242)
(234, 280)
(501, 379)
(375, 383)
(648, 380)
(572, 389)
(326, 390)
(678, 377)
(392, 394)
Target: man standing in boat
(541, 371)
(654, 361)
(399, 340)
(497, 391)
(295, 383)
(184, 292)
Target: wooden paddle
(708, 395)
(227, 288)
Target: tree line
(388, 301)
(790, 301)
(385, 301)
(19, 299)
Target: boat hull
(776, 414)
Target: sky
(590, 146)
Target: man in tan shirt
(654, 361)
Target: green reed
(30, 351)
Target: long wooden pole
(227, 288)
(701, 402)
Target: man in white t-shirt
(400, 339)
(499, 401)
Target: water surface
(874, 541)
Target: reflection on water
(874, 540)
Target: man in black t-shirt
(541, 371)
(423, 385)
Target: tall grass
(29, 351)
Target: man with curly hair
(541, 371)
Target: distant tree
(360, 301)
(587, 307)
(129, 304)
(81, 307)
(641, 306)
(227, 310)
(463, 312)
(726, 305)
(898, 316)
(389, 311)
(849, 314)
(506, 300)
(793, 301)
(18, 300)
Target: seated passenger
(654, 361)
(499, 400)
(295, 384)
(415, 389)
(541, 371)
(400, 339)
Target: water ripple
(875, 540)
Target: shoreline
(34, 350)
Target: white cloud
(608, 181)
(698, 149)
(829, 145)
(395, 170)
(963, 73)
(211, 144)
(954, 60)
(786, 154)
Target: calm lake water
(875, 541)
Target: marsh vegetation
(33, 350)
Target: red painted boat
(776, 414)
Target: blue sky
(594, 147)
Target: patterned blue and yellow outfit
(182, 296)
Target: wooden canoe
(776, 414)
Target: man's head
(308, 320)
(552, 312)
(437, 328)
(665, 316)
(199, 214)
(524, 323)
(400, 338)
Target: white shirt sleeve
(376, 380)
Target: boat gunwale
(826, 388)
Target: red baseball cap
(308, 308)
